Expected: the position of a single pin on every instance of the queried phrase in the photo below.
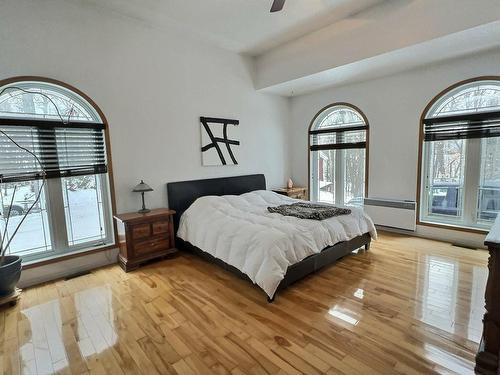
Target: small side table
(295, 192)
(143, 237)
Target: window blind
(64, 150)
(346, 137)
(463, 126)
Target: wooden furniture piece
(11, 299)
(487, 359)
(143, 237)
(295, 192)
(182, 194)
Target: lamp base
(144, 211)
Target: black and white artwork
(217, 146)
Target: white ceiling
(312, 44)
(389, 38)
(243, 26)
(475, 40)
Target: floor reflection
(439, 292)
(447, 361)
(95, 321)
(452, 296)
(359, 293)
(45, 329)
(477, 310)
(344, 315)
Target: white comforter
(239, 230)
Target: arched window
(460, 163)
(338, 138)
(66, 135)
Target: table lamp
(142, 187)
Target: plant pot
(10, 273)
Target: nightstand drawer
(160, 227)
(152, 245)
(141, 231)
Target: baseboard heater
(392, 213)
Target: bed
(225, 221)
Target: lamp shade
(142, 187)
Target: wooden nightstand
(295, 192)
(143, 237)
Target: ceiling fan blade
(277, 5)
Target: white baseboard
(473, 240)
(53, 271)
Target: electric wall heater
(392, 213)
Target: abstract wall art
(219, 141)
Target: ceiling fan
(277, 5)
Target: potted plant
(10, 273)
(10, 265)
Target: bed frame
(182, 194)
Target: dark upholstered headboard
(182, 194)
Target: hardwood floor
(407, 306)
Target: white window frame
(339, 180)
(53, 191)
(472, 170)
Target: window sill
(62, 257)
(453, 227)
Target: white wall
(152, 86)
(393, 106)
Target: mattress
(239, 230)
